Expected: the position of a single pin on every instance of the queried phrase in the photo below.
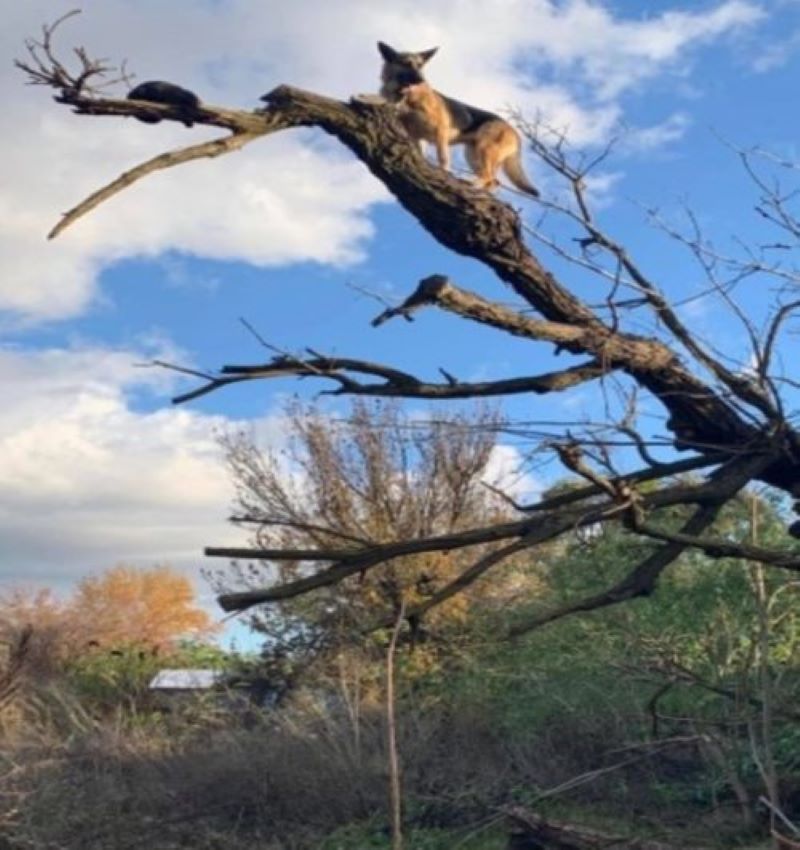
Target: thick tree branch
(348, 563)
(660, 472)
(437, 290)
(643, 578)
(716, 547)
(396, 384)
(556, 833)
(641, 581)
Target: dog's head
(405, 61)
(402, 69)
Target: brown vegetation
(150, 609)
(146, 607)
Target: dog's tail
(512, 166)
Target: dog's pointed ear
(388, 53)
(427, 55)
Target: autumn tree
(152, 607)
(372, 476)
(121, 607)
(729, 414)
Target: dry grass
(201, 778)
(124, 781)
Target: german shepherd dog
(490, 143)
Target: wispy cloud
(777, 54)
(647, 139)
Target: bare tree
(730, 421)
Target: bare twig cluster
(44, 68)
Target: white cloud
(87, 480)
(277, 203)
(518, 38)
(646, 139)
(777, 54)
(286, 198)
(506, 471)
(618, 55)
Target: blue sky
(96, 467)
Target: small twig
(376, 296)
(780, 815)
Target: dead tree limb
(568, 836)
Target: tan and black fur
(490, 143)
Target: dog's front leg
(443, 150)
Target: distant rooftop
(185, 680)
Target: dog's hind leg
(478, 153)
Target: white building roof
(185, 680)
